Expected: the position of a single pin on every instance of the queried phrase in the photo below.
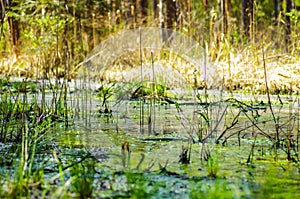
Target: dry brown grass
(244, 71)
(20, 66)
(238, 69)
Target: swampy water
(220, 146)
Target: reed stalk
(151, 121)
(276, 122)
(142, 98)
(298, 123)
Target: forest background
(49, 38)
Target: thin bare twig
(269, 99)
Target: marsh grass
(212, 166)
(84, 174)
(27, 120)
(224, 120)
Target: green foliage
(24, 86)
(139, 186)
(264, 10)
(272, 184)
(4, 27)
(151, 90)
(16, 113)
(44, 34)
(28, 173)
(160, 89)
(211, 190)
(212, 166)
(20, 184)
(83, 177)
(105, 93)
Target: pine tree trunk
(289, 7)
(14, 28)
(276, 10)
(128, 12)
(247, 15)
(142, 8)
(155, 9)
(206, 4)
(171, 13)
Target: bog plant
(26, 125)
(59, 35)
(83, 177)
(105, 93)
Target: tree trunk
(247, 15)
(14, 27)
(276, 10)
(155, 9)
(206, 4)
(167, 18)
(128, 12)
(2, 10)
(161, 14)
(171, 13)
(2, 16)
(142, 8)
(289, 7)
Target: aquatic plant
(211, 190)
(83, 175)
(105, 93)
(27, 123)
